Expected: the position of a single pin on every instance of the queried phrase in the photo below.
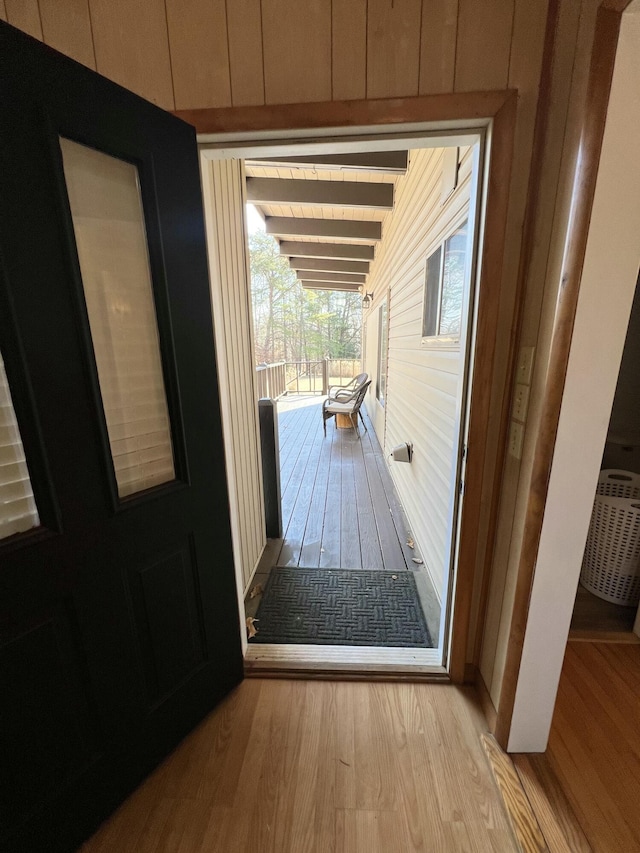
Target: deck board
(369, 540)
(396, 509)
(294, 445)
(350, 552)
(312, 538)
(331, 534)
(308, 464)
(392, 554)
(340, 508)
(294, 471)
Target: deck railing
(307, 377)
(271, 380)
(342, 370)
(304, 377)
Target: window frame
(437, 340)
(383, 335)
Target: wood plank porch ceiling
(327, 208)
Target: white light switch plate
(521, 403)
(516, 436)
(525, 366)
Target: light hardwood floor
(321, 766)
(594, 747)
(553, 811)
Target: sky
(254, 221)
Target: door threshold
(343, 661)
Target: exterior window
(444, 287)
(383, 340)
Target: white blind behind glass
(108, 220)
(18, 511)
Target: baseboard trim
(603, 637)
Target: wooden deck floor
(339, 505)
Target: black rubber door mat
(342, 607)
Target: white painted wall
(606, 294)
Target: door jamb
(445, 112)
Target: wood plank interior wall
(422, 382)
(281, 51)
(224, 198)
(212, 53)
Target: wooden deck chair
(344, 406)
(340, 392)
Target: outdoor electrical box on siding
(402, 452)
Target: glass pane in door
(18, 511)
(108, 220)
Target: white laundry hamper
(611, 563)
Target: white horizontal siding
(224, 204)
(422, 383)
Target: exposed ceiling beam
(344, 278)
(328, 285)
(346, 251)
(349, 229)
(386, 162)
(330, 264)
(320, 193)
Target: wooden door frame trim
(446, 111)
(463, 108)
(526, 253)
(597, 99)
(496, 205)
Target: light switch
(521, 402)
(516, 436)
(525, 366)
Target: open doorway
(406, 252)
(606, 605)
